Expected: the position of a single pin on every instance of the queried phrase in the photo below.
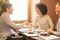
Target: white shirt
(58, 28)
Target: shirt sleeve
(6, 20)
(50, 23)
(37, 25)
(57, 33)
(36, 22)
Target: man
(57, 9)
(5, 23)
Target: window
(20, 9)
(34, 14)
(24, 9)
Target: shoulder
(48, 17)
(4, 15)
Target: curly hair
(42, 7)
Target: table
(40, 37)
(37, 36)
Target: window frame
(29, 13)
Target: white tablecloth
(51, 37)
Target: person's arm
(10, 23)
(50, 23)
(56, 33)
(36, 24)
(7, 21)
(53, 32)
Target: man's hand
(50, 31)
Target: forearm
(57, 33)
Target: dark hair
(42, 7)
(4, 6)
